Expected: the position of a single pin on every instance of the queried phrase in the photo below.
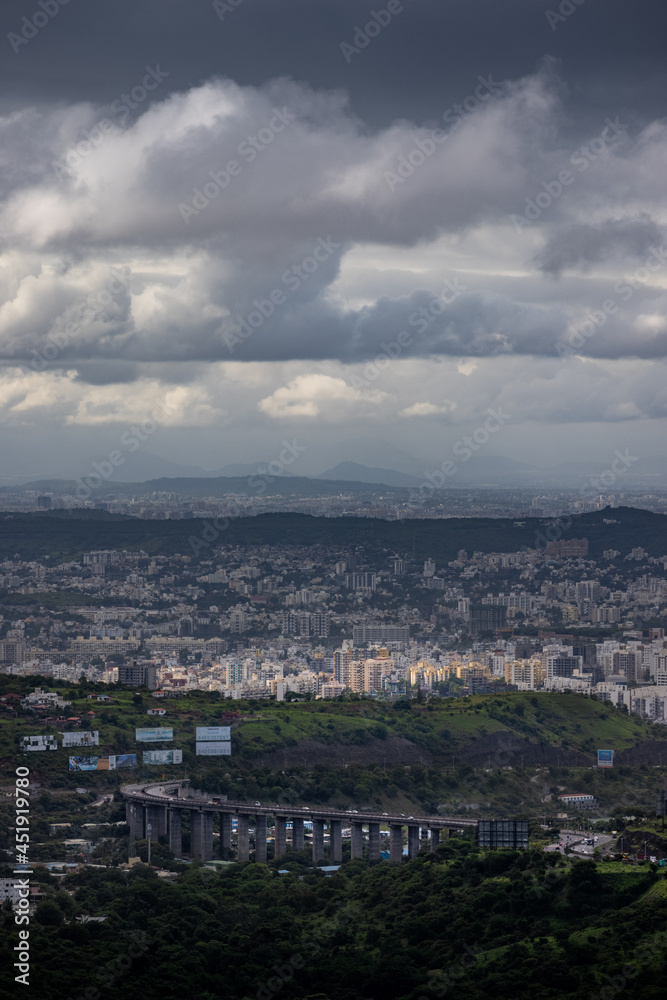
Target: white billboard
(163, 756)
(154, 735)
(214, 749)
(39, 743)
(213, 733)
(81, 739)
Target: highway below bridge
(161, 805)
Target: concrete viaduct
(162, 805)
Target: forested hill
(63, 534)
(507, 925)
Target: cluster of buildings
(294, 621)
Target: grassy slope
(567, 721)
(446, 733)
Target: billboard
(81, 739)
(154, 735)
(163, 756)
(39, 743)
(605, 758)
(122, 760)
(214, 750)
(110, 763)
(86, 764)
(213, 733)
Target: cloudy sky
(252, 221)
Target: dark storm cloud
(214, 226)
(420, 63)
(587, 243)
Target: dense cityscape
(283, 621)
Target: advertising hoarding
(86, 764)
(213, 733)
(605, 758)
(214, 750)
(122, 760)
(163, 756)
(39, 743)
(154, 735)
(81, 739)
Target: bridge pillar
(135, 819)
(260, 839)
(281, 836)
(318, 841)
(357, 844)
(396, 843)
(373, 841)
(176, 832)
(335, 841)
(225, 834)
(244, 842)
(298, 840)
(413, 841)
(435, 839)
(201, 835)
(157, 817)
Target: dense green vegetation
(499, 924)
(65, 533)
(476, 924)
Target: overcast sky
(252, 221)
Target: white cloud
(428, 409)
(318, 395)
(30, 397)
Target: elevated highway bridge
(162, 806)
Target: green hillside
(485, 754)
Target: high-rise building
(361, 581)
(342, 657)
(12, 651)
(138, 675)
(624, 661)
(373, 671)
(485, 618)
(236, 673)
(308, 625)
(237, 621)
(185, 628)
(561, 665)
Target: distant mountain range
(480, 471)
